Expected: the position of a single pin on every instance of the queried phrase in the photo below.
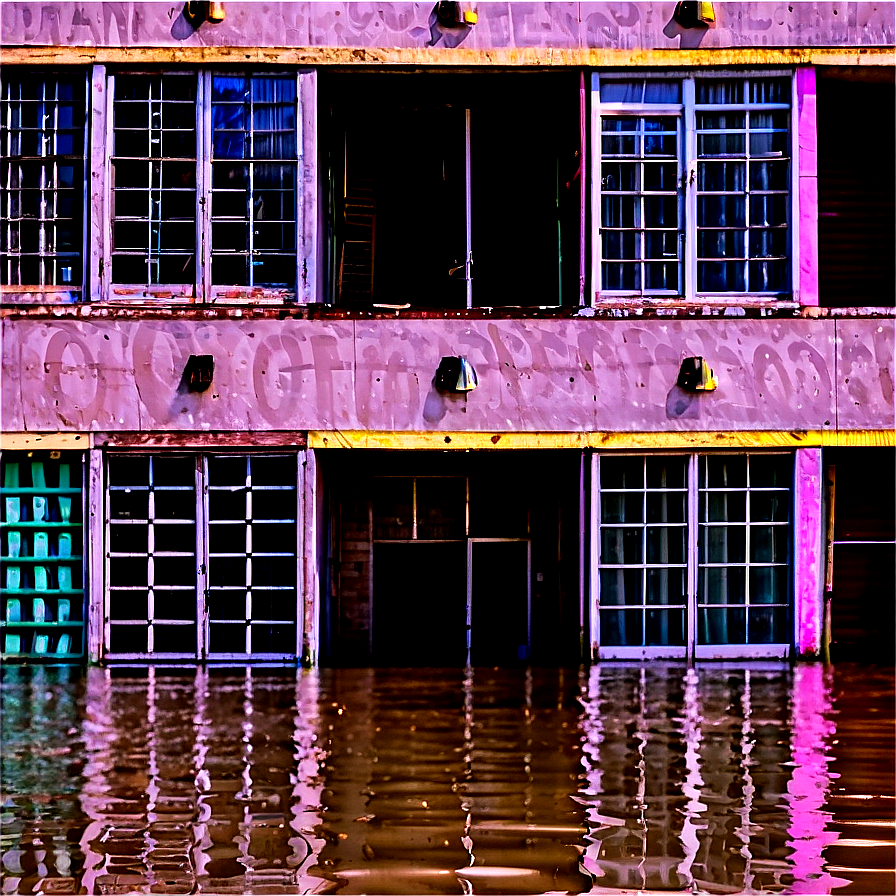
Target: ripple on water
(767, 778)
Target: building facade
(416, 334)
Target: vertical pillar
(807, 168)
(310, 567)
(594, 555)
(309, 274)
(808, 551)
(99, 256)
(96, 555)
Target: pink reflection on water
(810, 784)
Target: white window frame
(203, 290)
(203, 557)
(694, 523)
(49, 256)
(686, 112)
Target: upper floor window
(203, 180)
(42, 133)
(692, 189)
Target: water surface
(764, 779)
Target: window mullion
(693, 551)
(689, 189)
(202, 559)
(203, 185)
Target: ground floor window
(693, 554)
(202, 556)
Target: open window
(443, 192)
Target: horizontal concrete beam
(540, 57)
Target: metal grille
(42, 133)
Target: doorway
(447, 560)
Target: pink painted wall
(80, 374)
(643, 25)
(808, 186)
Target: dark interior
(394, 158)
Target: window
(204, 172)
(215, 578)
(42, 132)
(692, 193)
(694, 554)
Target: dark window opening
(856, 189)
(394, 154)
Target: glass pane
(721, 211)
(622, 628)
(661, 244)
(621, 586)
(274, 639)
(227, 471)
(661, 276)
(666, 586)
(769, 507)
(622, 508)
(130, 605)
(721, 277)
(666, 507)
(622, 176)
(227, 638)
(665, 628)
(175, 570)
(175, 537)
(662, 176)
(128, 639)
(128, 505)
(769, 544)
(723, 544)
(441, 508)
(174, 639)
(722, 585)
(768, 625)
(724, 472)
(621, 472)
(721, 507)
(174, 605)
(771, 470)
(770, 584)
(666, 472)
(393, 508)
(724, 177)
(720, 91)
(666, 545)
(621, 545)
(721, 626)
(620, 244)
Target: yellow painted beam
(744, 439)
(44, 441)
(455, 58)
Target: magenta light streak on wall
(808, 186)
(808, 551)
(812, 730)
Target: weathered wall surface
(534, 376)
(625, 26)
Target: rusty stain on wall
(550, 376)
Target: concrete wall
(534, 376)
(645, 25)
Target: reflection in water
(625, 776)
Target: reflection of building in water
(709, 777)
(440, 778)
(39, 768)
(200, 782)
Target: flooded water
(615, 778)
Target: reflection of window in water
(684, 772)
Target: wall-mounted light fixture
(695, 375)
(197, 13)
(450, 15)
(456, 374)
(199, 372)
(694, 14)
